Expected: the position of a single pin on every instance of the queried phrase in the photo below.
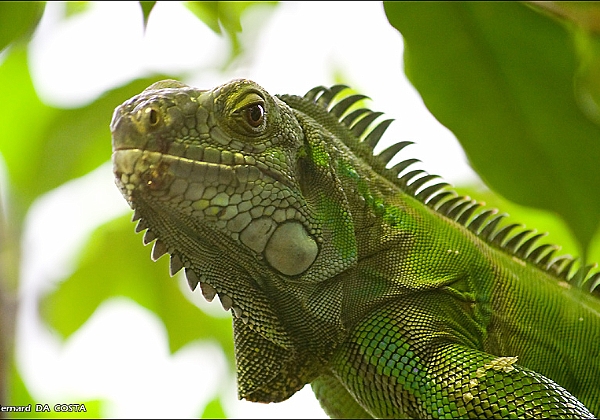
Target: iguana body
(336, 270)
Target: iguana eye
(255, 115)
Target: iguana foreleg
(404, 361)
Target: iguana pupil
(255, 114)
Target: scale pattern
(387, 292)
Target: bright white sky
(299, 47)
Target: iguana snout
(204, 154)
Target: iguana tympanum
(392, 297)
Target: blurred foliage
(500, 76)
(33, 151)
(18, 20)
(147, 7)
(20, 396)
(213, 410)
(224, 17)
(519, 85)
(131, 274)
(73, 8)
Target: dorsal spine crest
(367, 129)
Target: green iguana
(391, 296)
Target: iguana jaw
(141, 174)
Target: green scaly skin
(392, 299)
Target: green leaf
(224, 15)
(214, 410)
(114, 263)
(583, 20)
(207, 12)
(147, 7)
(74, 8)
(44, 146)
(500, 76)
(18, 19)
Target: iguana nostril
(153, 117)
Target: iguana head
(245, 198)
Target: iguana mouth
(171, 177)
(187, 151)
(222, 196)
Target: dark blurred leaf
(114, 263)
(18, 19)
(214, 410)
(587, 78)
(500, 76)
(20, 396)
(43, 146)
(147, 7)
(583, 20)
